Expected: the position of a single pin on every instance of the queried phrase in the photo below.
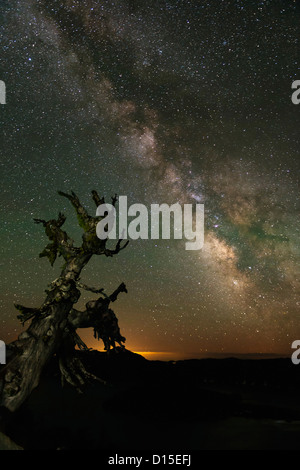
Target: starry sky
(164, 102)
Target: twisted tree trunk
(31, 352)
(51, 330)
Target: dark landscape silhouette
(145, 405)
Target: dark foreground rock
(198, 404)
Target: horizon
(170, 356)
(175, 356)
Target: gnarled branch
(61, 243)
(108, 252)
(91, 289)
(86, 221)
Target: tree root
(75, 374)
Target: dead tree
(52, 330)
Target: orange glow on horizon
(158, 355)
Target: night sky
(164, 102)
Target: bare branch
(114, 200)
(114, 295)
(108, 252)
(85, 220)
(61, 243)
(91, 289)
(96, 198)
(26, 313)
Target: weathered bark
(32, 351)
(51, 330)
(99, 316)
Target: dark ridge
(194, 404)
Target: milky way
(163, 102)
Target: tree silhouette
(53, 325)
